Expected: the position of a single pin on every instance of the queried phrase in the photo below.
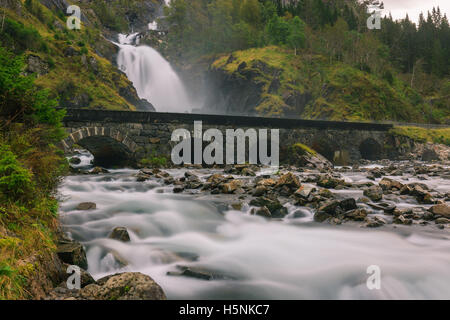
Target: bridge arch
(109, 146)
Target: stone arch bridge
(124, 137)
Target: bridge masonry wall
(150, 135)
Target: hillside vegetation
(323, 61)
(75, 65)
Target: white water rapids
(152, 76)
(289, 259)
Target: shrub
(15, 180)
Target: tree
(296, 38)
(278, 30)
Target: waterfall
(152, 76)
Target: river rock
(124, 286)
(441, 209)
(356, 215)
(232, 186)
(304, 191)
(120, 234)
(73, 253)
(348, 204)
(266, 182)
(389, 184)
(289, 180)
(330, 207)
(263, 212)
(442, 221)
(259, 191)
(75, 160)
(275, 207)
(374, 193)
(98, 170)
(328, 182)
(85, 206)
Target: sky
(399, 8)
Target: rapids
(294, 258)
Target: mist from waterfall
(152, 76)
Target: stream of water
(294, 258)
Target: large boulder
(441, 209)
(124, 286)
(303, 156)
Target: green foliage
(297, 38)
(418, 134)
(154, 161)
(19, 37)
(15, 180)
(21, 100)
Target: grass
(28, 223)
(423, 135)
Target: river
(251, 257)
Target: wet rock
(85, 206)
(216, 179)
(328, 182)
(232, 186)
(389, 184)
(263, 212)
(73, 253)
(348, 204)
(275, 207)
(266, 182)
(304, 191)
(248, 172)
(141, 176)
(75, 160)
(321, 216)
(421, 195)
(124, 286)
(237, 206)
(199, 273)
(441, 209)
(300, 214)
(330, 207)
(178, 189)
(120, 234)
(376, 222)
(386, 207)
(288, 180)
(301, 156)
(442, 221)
(402, 220)
(260, 191)
(326, 193)
(374, 193)
(98, 170)
(356, 215)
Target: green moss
(300, 148)
(441, 136)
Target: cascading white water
(152, 76)
(290, 259)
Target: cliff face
(77, 66)
(274, 82)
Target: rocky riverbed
(253, 232)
